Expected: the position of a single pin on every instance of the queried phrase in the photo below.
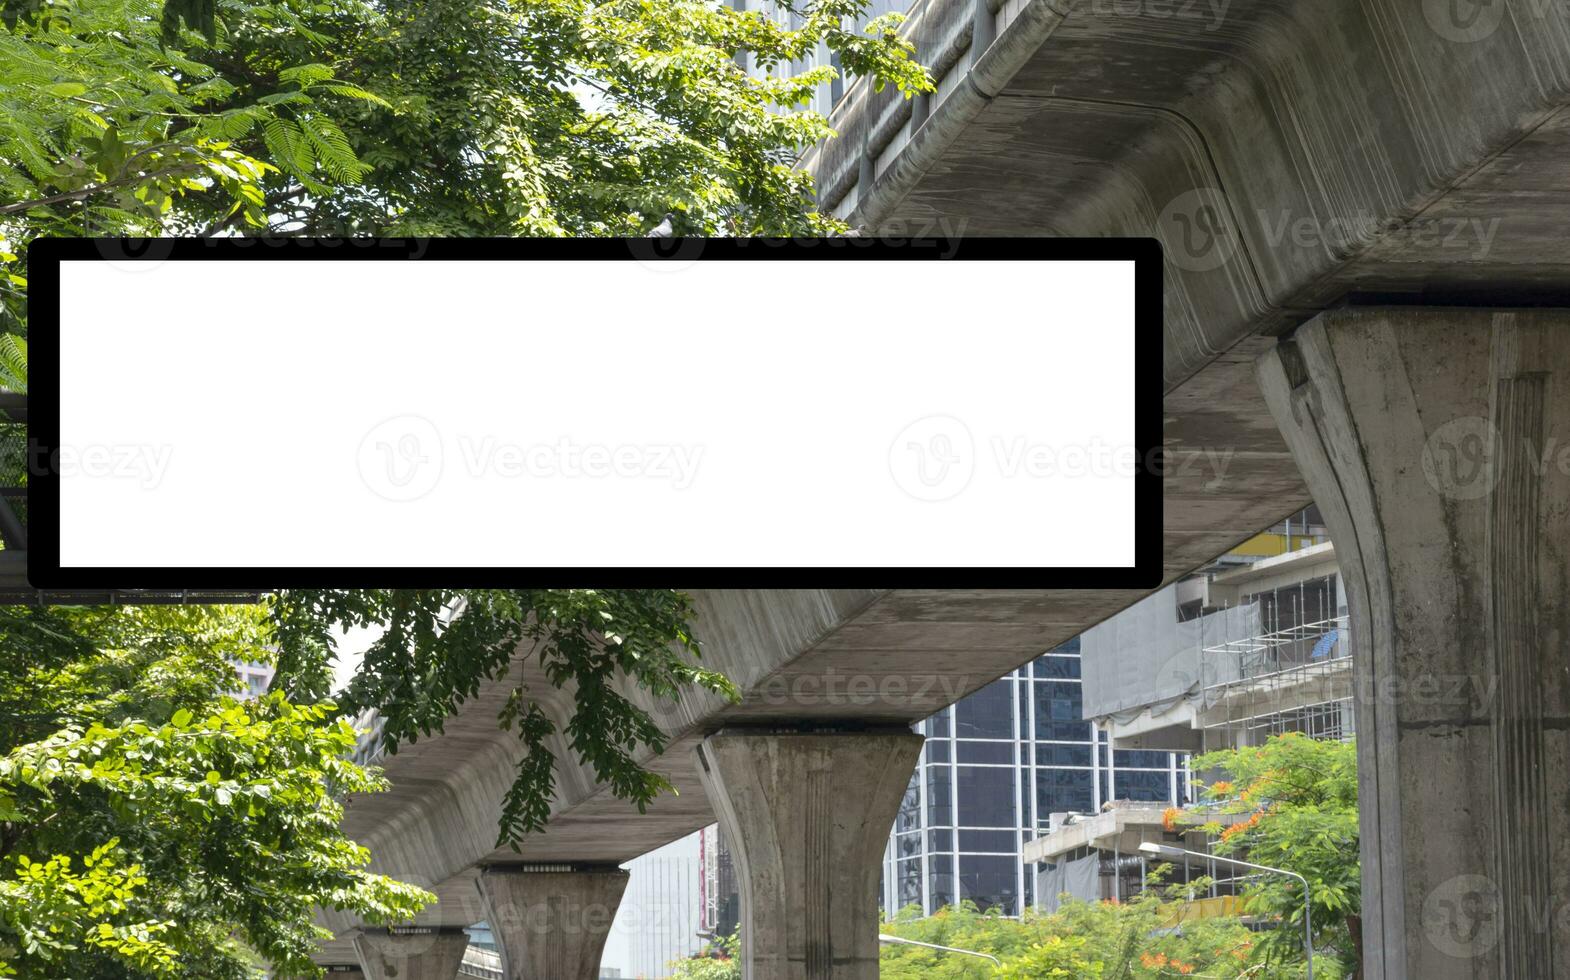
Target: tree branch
(86, 192)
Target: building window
(990, 882)
(986, 797)
(909, 883)
(1063, 791)
(1052, 666)
(986, 753)
(989, 713)
(1143, 786)
(939, 801)
(996, 765)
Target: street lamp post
(1164, 850)
(947, 949)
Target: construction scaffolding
(1293, 679)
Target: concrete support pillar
(416, 953)
(1435, 442)
(551, 921)
(807, 816)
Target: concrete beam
(413, 954)
(1286, 153)
(808, 815)
(1433, 441)
(550, 921)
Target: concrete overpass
(1352, 196)
(853, 664)
(1355, 200)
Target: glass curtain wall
(996, 765)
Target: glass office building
(996, 766)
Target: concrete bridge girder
(881, 657)
(1285, 153)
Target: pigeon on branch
(664, 228)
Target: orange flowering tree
(1297, 798)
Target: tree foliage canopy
(438, 647)
(438, 117)
(153, 825)
(1300, 798)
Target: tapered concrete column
(411, 954)
(1435, 442)
(807, 817)
(551, 921)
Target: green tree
(151, 825)
(575, 117)
(437, 647)
(1300, 798)
(105, 130)
(396, 117)
(962, 926)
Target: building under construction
(1254, 645)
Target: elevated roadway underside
(1291, 157)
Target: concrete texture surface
(550, 925)
(808, 818)
(1435, 443)
(1290, 157)
(1285, 153)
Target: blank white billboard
(292, 421)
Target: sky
(351, 646)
